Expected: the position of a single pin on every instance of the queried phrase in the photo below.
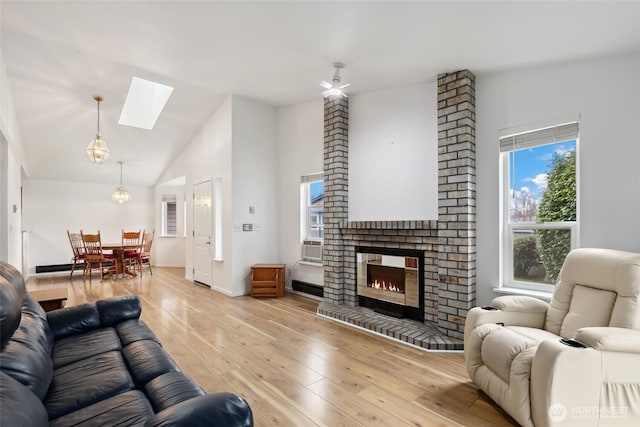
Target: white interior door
(202, 233)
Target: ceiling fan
(335, 88)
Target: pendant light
(121, 195)
(97, 150)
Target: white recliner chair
(573, 362)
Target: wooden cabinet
(50, 299)
(267, 280)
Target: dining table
(119, 267)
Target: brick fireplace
(447, 244)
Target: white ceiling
(59, 54)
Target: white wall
(205, 157)
(53, 207)
(4, 210)
(300, 152)
(238, 145)
(393, 154)
(255, 169)
(606, 94)
(169, 251)
(11, 160)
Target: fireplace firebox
(391, 281)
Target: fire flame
(385, 286)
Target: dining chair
(75, 239)
(145, 251)
(93, 255)
(131, 245)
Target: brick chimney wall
(449, 243)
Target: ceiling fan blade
(345, 85)
(326, 85)
(331, 92)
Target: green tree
(525, 256)
(558, 204)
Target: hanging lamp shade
(121, 195)
(97, 150)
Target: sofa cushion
(125, 409)
(27, 355)
(87, 381)
(19, 407)
(77, 347)
(589, 307)
(146, 360)
(501, 347)
(604, 269)
(134, 330)
(168, 389)
(11, 293)
(534, 334)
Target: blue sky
(316, 189)
(533, 164)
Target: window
(312, 217)
(169, 215)
(539, 204)
(312, 195)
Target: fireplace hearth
(390, 281)
(417, 239)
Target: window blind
(312, 178)
(171, 218)
(534, 138)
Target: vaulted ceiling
(58, 54)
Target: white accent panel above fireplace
(393, 154)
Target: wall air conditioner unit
(312, 251)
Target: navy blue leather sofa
(95, 364)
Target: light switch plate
(247, 227)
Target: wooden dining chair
(145, 251)
(75, 239)
(94, 256)
(131, 244)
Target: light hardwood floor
(294, 367)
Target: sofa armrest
(564, 381)
(583, 386)
(520, 304)
(216, 409)
(73, 320)
(509, 310)
(115, 310)
(89, 316)
(610, 339)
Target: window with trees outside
(540, 199)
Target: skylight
(144, 103)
